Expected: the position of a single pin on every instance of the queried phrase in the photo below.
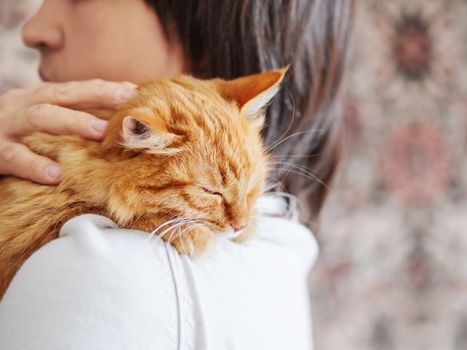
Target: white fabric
(100, 287)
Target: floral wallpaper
(18, 65)
(392, 272)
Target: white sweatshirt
(101, 287)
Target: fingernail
(99, 125)
(125, 93)
(53, 171)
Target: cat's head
(192, 149)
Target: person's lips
(43, 74)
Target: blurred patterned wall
(18, 65)
(391, 274)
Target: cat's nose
(239, 225)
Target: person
(100, 287)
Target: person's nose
(42, 31)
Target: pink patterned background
(392, 271)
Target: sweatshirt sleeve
(92, 289)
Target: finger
(83, 94)
(18, 160)
(58, 121)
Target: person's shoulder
(89, 240)
(94, 256)
(278, 224)
(85, 284)
(94, 245)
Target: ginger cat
(184, 159)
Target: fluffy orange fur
(183, 151)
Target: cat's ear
(253, 92)
(137, 134)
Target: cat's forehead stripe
(223, 174)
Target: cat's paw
(193, 242)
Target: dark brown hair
(231, 38)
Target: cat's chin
(194, 242)
(229, 233)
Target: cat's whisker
(153, 232)
(190, 228)
(179, 238)
(283, 167)
(169, 229)
(277, 185)
(310, 177)
(297, 166)
(281, 194)
(192, 248)
(296, 156)
(288, 164)
(303, 171)
(173, 230)
(172, 233)
(186, 231)
(271, 186)
(288, 126)
(180, 222)
(279, 142)
(295, 169)
(287, 195)
(287, 168)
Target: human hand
(47, 108)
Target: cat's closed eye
(207, 190)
